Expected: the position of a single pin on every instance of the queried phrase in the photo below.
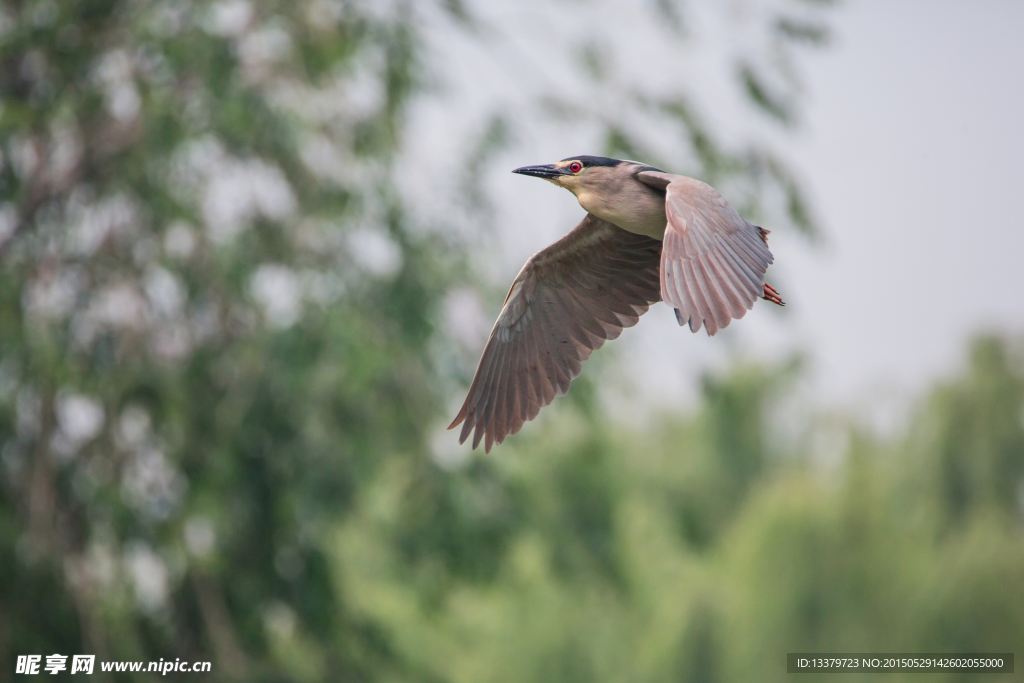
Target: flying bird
(648, 236)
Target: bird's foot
(770, 294)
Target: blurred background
(249, 254)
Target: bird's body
(626, 203)
(647, 236)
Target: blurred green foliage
(708, 547)
(220, 382)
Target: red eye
(575, 167)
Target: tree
(203, 356)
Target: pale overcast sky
(911, 146)
(914, 150)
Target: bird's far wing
(713, 261)
(566, 301)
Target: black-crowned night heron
(648, 236)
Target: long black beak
(547, 171)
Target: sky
(913, 149)
(909, 144)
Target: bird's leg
(770, 294)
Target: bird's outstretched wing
(566, 301)
(713, 261)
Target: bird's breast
(640, 214)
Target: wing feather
(538, 381)
(696, 295)
(738, 266)
(714, 282)
(566, 302)
(685, 306)
(726, 279)
(713, 261)
(502, 417)
(488, 395)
